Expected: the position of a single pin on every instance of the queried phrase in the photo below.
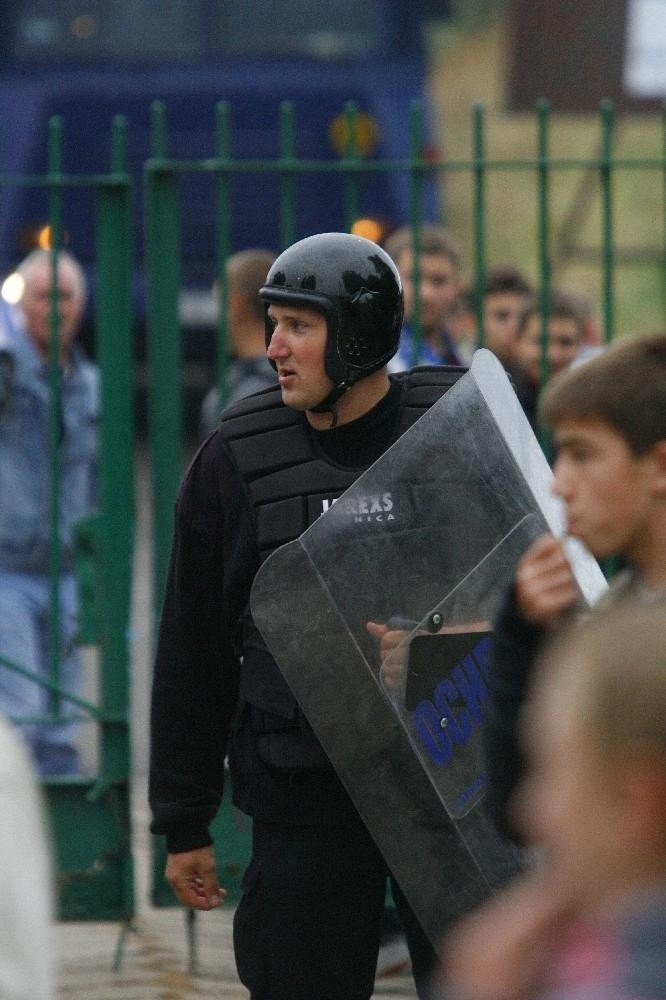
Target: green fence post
(350, 164)
(663, 244)
(223, 228)
(54, 180)
(164, 342)
(114, 325)
(287, 169)
(479, 175)
(543, 231)
(415, 219)
(606, 183)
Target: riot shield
(426, 540)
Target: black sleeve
(515, 646)
(195, 682)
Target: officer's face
(297, 347)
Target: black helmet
(356, 285)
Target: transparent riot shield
(426, 541)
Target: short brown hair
(434, 241)
(566, 305)
(246, 272)
(625, 386)
(506, 278)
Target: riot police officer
(308, 925)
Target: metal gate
(90, 816)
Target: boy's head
(594, 796)
(504, 295)
(608, 419)
(565, 329)
(439, 274)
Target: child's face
(528, 348)
(501, 312)
(608, 492)
(563, 343)
(438, 291)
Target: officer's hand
(393, 659)
(545, 584)
(193, 878)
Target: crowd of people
(440, 323)
(323, 342)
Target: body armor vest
(288, 482)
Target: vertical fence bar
(114, 325)
(479, 176)
(350, 162)
(606, 189)
(223, 230)
(55, 197)
(543, 231)
(287, 174)
(415, 219)
(663, 202)
(164, 346)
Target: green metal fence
(163, 263)
(90, 816)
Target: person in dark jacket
(608, 419)
(309, 922)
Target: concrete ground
(151, 960)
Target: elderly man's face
(36, 305)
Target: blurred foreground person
(589, 922)
(25, 878)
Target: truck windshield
(150, 31)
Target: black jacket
(203, 703)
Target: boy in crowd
(505, 292)
(594, 801)
(435, 300)
(565, 328)
(608, 422)
(564, 333)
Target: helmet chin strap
(329, 401)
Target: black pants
(309, 923)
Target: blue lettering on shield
(456, 709)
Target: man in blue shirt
(32, 425)
(434, 302)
